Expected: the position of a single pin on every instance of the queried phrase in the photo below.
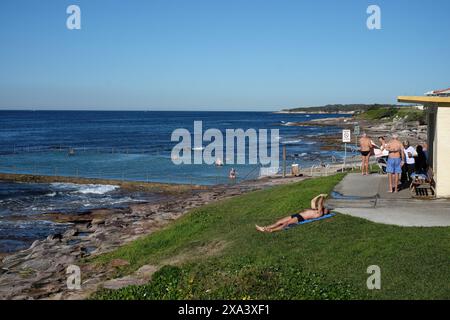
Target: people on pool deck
(395, 162)
(409, 166)
(366, 146)
(317, 210)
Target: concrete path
(367, 197)
(357, 185)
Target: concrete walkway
(367, 197)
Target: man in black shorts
(365, 145)
(316, 211)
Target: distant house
(437, 104)
(439, 93)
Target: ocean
(123, 145)
(136, 145)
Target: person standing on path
(409, 167)
(365, 145)
(396, 159)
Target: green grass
(327, 259)
(385, 113)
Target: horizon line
(132, 110)
(184, 110)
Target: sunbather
(317, 210)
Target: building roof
(444, 92)
(426, 100)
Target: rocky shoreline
(39, 272)
(412, 131)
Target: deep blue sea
(117, 145)
(135, 145)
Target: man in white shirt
(409, 166)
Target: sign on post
(346, 136)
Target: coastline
(100, 231)
(146, 192)
(123, 184)
(412, 131)
(313, 112)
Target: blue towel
(311, 220)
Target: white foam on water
(96, 188)
(86, 188)
(288, 124)
(293, 141)
(21, 224)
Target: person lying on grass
(317, 210)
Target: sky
(232, 55)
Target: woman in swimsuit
(316, 211)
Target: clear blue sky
(219, 54)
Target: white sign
(346, 136)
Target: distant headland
(339, 108)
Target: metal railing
(320, 168)
(73, 150)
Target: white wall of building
(442, 153)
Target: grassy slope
(321, 260)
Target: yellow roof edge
(444, 101)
